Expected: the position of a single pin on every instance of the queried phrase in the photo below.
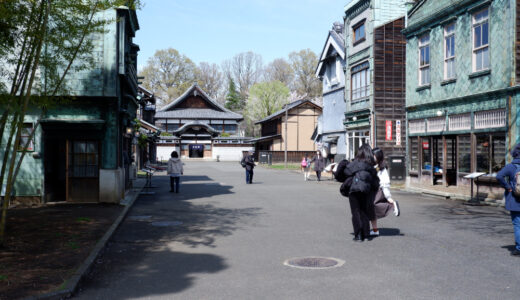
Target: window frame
(358, 25)
(423, 45)
(27, 129)
(363, 67)
(447, 59)
(475, 24)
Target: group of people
(366, 183)
(319, 165)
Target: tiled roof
(197, 113)
(286, 107)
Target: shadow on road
(390, 231)
(140, 253)
(169, 272)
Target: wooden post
(444, 160)
(285, 138)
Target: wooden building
(293, 126)
(375, 76)
(198, 127)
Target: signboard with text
(388, 135)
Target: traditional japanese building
(291, 129)
(198, 127)
(330, 132)
(462, 92)
(375, 75)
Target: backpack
(304, 163)
(243, 162)
(516, 187)
(344, 189)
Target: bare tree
(279, 69)
(304, 65)
(168, 74)
(245, 69)
(211, 80)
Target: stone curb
(72, 283)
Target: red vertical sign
(388, 130)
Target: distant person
(175, 170)
(363, 184)
(383, 202)
(248, 162)
(512, 187)
(306, 167)
(319, 164)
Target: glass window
(230, 128)
(360, 81)
(449, 53)
(331, 73)
(424, 60)
(464, 153)
(359, 32)
(207, 147)
(172, 127)
(498, 153)
(481, 40)
(426, 154)
(84, 159)
(414, 154)
(483, 152)
(217, 127)
(27, 129)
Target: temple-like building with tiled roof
(199, 127)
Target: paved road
(234, 239)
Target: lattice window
(436, 124)
(416, 126)
(490, 119)
(459, 122)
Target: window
(172, 127)
(414, 154)
(424, 59)
(464, 153)
(359, 32)
(331, 73)
(84, 159)
(217, 127)
(436, 124)
(481, 40)
(490, 119)
(416, 126)
(459, 122)
(498, 153)
(230, 128)
(360, 81)
(426, 154)
(449, 51)
(207, 147)
(355, 139)
(482, 152)
(27, 129)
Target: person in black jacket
(249, 163)
(364, 184)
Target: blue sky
(215, 30)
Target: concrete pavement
(228, 240)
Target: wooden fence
(279, 156)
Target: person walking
(175, 170)
(319, 164)
(511, 171)
(364, 183)
(306, 167)
(383, 201)
(248, 162)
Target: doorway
(444, 154)
(196, 151)
(55, 164)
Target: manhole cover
(139, 218)
(166, 223)
(314, 262)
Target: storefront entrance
(354, 140)
(196, 151)
(444, 151)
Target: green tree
(169, 74)
(232, 97)
(41, 42)
(266, 98)
(304, 65)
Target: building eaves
(197, 113)
(287, 107)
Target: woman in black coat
(362, 190)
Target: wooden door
(82, 171)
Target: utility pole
(285, 154)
